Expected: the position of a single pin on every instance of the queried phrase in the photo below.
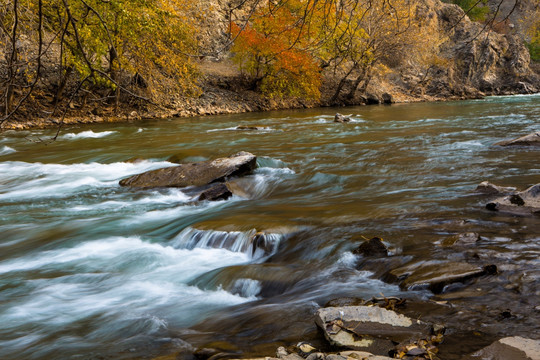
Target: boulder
(195, 174)
(527, 140)
(525, 202)
(515, 348)
(218, 191)
(341, 119)
(486, 187)
(436, 275)
(368, 328)
(372, 247)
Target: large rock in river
(368, 328)
(525, 202)
(195, 174)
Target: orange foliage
(270, 49)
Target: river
(91, 270)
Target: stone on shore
(514, 348)
(525, 202)
(436, 275)
(527, 140)
(341, 119)
(368, 328)
(195, 174)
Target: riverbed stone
(463, 239)
(515, 348)
(248, 128)
(435, 275)
(368, 328)
(372, 247)
(195, 174)
(341, 118)
(525, 202)
(532, 139)
(363, 355)
(486, 187)
(218, 191)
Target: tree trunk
(62, 85)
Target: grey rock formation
(486, 187)
(525, 202)
(368, 328)
(527, 140)
(195, 174)
(436, 275)
(341, 119)
(515, 348)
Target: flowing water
(91, 270)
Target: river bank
(224, 92)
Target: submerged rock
(341, 118)
(368, 328)
(527, 140)
(248, 128)
(486, 187)
(525, 202)
(435, 275)
(515, 348)
(195, 174)
(463, 239)
(372, 247)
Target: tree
(107, 49)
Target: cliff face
(482, 59)
(476, 61)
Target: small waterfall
(253, 243)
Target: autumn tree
(286, 44)
(273, 48)
(134, 48)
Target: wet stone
(436, 275)
(368, 328)
(486, 187)
(532, 139)
(341, 118)
(345, 301)
(247, 128)
(372, 247)
(514, 348)
(463, 239)
(195, 174)
(525, 202)
(216, 192)
(362, 355)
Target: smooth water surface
(89, 269)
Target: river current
(91, 270)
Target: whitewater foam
(89, 134)
(7, 150)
